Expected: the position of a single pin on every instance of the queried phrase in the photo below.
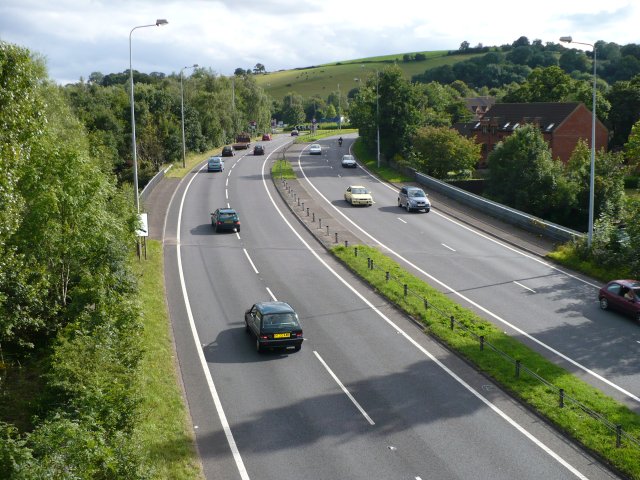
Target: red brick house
(561, 124)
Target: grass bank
(165, 430)
(588, 416)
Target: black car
(225, 219)
(227, 151)
(274, 324)
(258, 150)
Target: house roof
(548, 115)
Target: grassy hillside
(324, 79)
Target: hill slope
(323, 79)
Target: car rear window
(227, 214)
(359, 190)
(278, 321)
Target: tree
(625, 109)
(292, 109)
(549, 84)
(632, 148)
(259, 68)
(441, 150)
(523, 175)
(573, 59)
(239, 72)
(464, 46)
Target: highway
(551, 310)
(369, 395)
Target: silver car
(348, 161)
(413, 198)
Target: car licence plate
(281, 335)
(228, 221)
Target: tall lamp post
(184, 146)
(569, 39)
(159, 22)
(377, 120)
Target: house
(479, 105)
(562, 126)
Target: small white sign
(143, 229)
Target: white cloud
(79, 37)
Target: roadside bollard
(371, 266)
(517, 368)
(303, 206)
(368, 262)
(313, 217)
(327, 229)
(561, 404)
(320, 222)
(481, 343)
(453, 321)
(386, 276)
(298, 201)
(307, 211)
(618, 436)
(426, 304)
(336, 237)
(355, 250)
(346, 243)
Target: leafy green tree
(293, 109)
(549, 84)
(441, 150)
(523, 175)
(624, 97)
(573, 59)
(632, 148)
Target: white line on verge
(344, 389)
(203, 361)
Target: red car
(266, 137)
(621, 295)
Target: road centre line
(450, 372)
(273, 297)
(447, 246)
(523, 286)
(403, 221)
(344, 389)
(203, 361)
(250, 261)
(467, 299)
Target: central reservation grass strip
(165, 429)
(542, 397)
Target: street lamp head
(567, 39)
(161, 21)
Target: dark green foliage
(440, 150)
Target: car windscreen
(416, 193)
(279, 322)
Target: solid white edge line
(250, 261)
(524, 286)
(344, 389)
(512, 422)
(475, 304)
(203, 361)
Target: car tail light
(264, 337)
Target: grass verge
(567, 256)
(370, 161)
(165, 429)
(282, 169)
(496, 359)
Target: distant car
(315, 149)
(274, 324)
(227, 151)
(621, 295)
(413, 198)
(348, 161)
(266, 137)
(258, 150)
(295, 133)
(215, 164)
(358, 195)
(225, 219)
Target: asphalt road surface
(369, 395)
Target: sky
(79, 37)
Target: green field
(323, 79)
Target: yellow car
(358, 195)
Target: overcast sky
(78, 37)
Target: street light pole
(184, 146)
(377, 120)
(158, 23)
(569, 39)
